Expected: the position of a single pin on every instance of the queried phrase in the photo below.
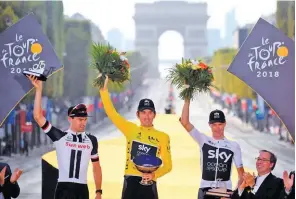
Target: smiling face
(263, 163)
(218, 129)
(146, 117)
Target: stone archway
(153, 19)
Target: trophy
(147, 164)
(218, 191)
(37, 73)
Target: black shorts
(70, 190)
(202, 192)
(132, 189)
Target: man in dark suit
(289, 190)
(265, 185)
(9, 187)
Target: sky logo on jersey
(144, 148)
(223, 155)
(216, 159)
(139, 148)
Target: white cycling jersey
(74, 151)
(216, 159)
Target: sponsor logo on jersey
(216, 159)
(77, 145)
(221, 155)
(153, 140)
(211, 142)
(139, 148)
(144, 148)
(139, 136)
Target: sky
(108, 14)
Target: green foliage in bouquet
(109, 62)
(191, 77)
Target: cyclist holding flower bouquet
(217, 152)
(141, 139)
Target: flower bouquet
(191, 76)
(109, 62)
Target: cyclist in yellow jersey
(143, 139)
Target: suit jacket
(291, 195)
(270, 188)
(9, 190)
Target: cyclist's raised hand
(106, 82)
(36, 83)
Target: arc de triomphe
(153, 19)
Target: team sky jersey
(216, 159)
(140, 140)
(74, 151)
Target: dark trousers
(202, 194)
(70, 190)
(132, 189)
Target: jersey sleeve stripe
(95, 158)
(46, 127)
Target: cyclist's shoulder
(59, 131)
(56, 128)
(90, 135)
(233, 144)
(162, 134)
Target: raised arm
(54, 133)
(185, 116)
(38, 116)
(119, 121)
(193, 132)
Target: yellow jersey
(139, 140)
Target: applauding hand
(288, 182)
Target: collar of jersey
(147, 128)
(70, 131)
(223, 139)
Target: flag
(266, 62)
(23, 47)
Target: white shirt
(258, 183)
(74, 151)
(217, 157)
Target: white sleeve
(197, 136)
(237, 156)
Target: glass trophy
(218, 191)
(39, 73)
(147, 164)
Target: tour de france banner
(24, 50)
(266, 62)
